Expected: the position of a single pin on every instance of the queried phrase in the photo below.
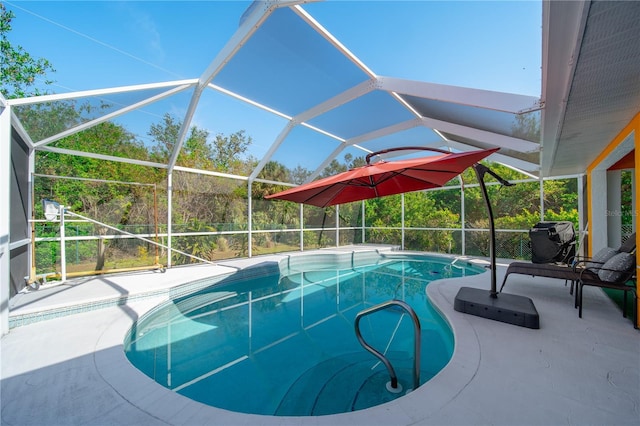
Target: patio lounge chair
(547, 270)
(617, 273)
(569, 271)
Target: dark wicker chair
(629, 246)
(618, 273)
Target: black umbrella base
(509, 308)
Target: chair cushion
(618, 267)
(601, 257)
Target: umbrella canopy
(396, 177)
(384, 178)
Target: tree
(113, 204)
(421, 211)
(18, 70)
(527, 126)
(42, 120)
(202, 202)
(300, 175)
(349, 162)
(227, 151)
(273, 171)
(195, 152)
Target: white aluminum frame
(568, 19)
(5, 202)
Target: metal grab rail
(380, 356)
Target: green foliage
(228, 151)
(421, 212)
(349, 162)
(571, 215)
(299, 175)
(209, 204)
(383, 212)
(46, 119)
(18, 70)
(527, 126)
(272, 171)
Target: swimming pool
(279, 339)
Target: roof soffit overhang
(562, 32)
(487, 99)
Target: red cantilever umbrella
(384, 178)
(395, 177)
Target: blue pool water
(282, 342)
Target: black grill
(552, 242)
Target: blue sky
(98, 44)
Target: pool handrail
(380, 356)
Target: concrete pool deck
(70, 368)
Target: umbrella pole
(508, 308)
(324, 219)
(480, 172)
